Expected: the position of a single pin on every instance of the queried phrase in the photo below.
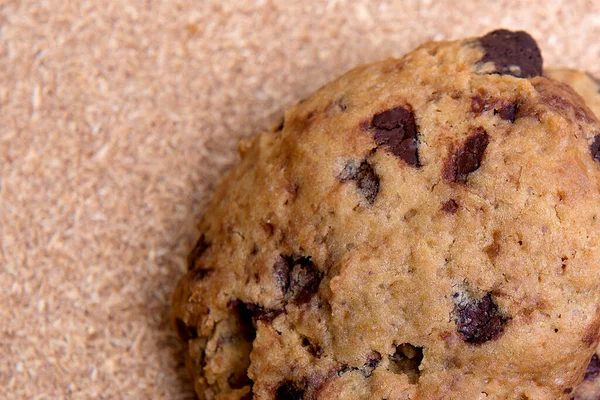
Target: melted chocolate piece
(478, 320)
(468, 158)
(513, 53)
(396, 131)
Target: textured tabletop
(117, 118)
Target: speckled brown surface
(116, 120)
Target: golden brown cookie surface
(588, 87)
(420, 228)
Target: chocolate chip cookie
(588, 87)
(421, 228)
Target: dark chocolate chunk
(479, 104)
(305, 279)
(450, 206)
(477, 320)
(298, 278)
(396, 130)
(507, 112)
(406, 360)
(239, 380)
(468, 158)
(595, 148)
(365, 177)
(184, 331)
(198, 250)
(288, 390)
(506, 109)
(593, 369)
(513, 53)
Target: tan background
(116, 120)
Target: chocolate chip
(595, 148)
(506, 109)
(467, 159)
(365, 177)
(593, 369)
(450, 206)
(513, 53)
(199, 249)
(184, 331)
(298, 277)
(477, 320)
(304, 281)
(396, 130)
(508, 112)
(406, 360)
(288, 390)
(479, 104)
(239, 380)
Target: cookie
(420, 228)
(588, 87)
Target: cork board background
(118, 117)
